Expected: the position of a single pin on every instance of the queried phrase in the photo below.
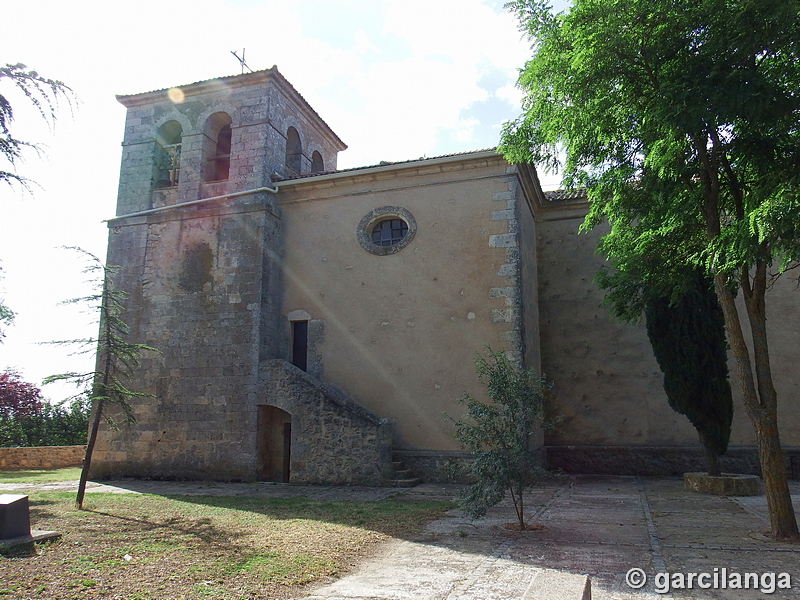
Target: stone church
(315, 325)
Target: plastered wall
(401, 331)
(608, 387)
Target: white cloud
(511, 94)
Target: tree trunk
(105, 341)
(711, 458)
(773, 469)
(783, 523)
(517, 499)
(87, 461)
(761, 405)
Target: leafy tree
(43, 93)
(18, 398)
(683, 120)
(499, 434)
(6, 318)
(12, 434)
(54, 425)
(116, 359)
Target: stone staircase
(402, 477)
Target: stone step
(405, 483)
(555, 585)
(403, 477)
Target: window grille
(389, 232)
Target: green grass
(155, 546)
(9, 590)
(275, 566)
(40, 475)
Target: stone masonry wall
(334, 440)
(195, 294)
(41, 457)
(202, 282)
(658, 460)
(261, 107)
(599, 368)
(505, 210)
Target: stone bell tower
(198, 235)
(216, 137)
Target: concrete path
(599, 526)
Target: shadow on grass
(396, 518)
(166, 523)
(229, 540)
(214, 520)
(202, 528)
(21, 550)
(38, 509)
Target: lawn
(41, 475)
(128, 546)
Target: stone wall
(607, 387)
(194, 284)
(260, 106)
(334, 440)
(41, 457)
(657, 460)
(432, 466)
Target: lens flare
(176, 95)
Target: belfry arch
(294, 152)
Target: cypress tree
(688, 339)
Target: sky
(395, 79)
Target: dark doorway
(300, 344)
(274, 444)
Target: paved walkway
(600, 526)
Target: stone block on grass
(15, 523)
(15, 518)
